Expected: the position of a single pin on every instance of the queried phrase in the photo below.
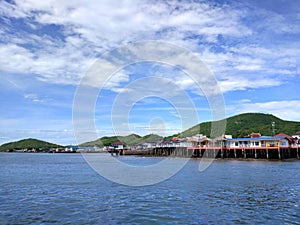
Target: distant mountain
(238, 126)
(131, 139)
(107, 141)
(244, 124)
(27, 143)
(152, 137)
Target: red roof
(285, 136)
(255, 135)
(117, 143)
(282, 135)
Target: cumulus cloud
(81, 32)
(57, 42)
(61, 39)
(232, 83)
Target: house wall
(296, 136)
(257, 143)
(272, 143)
(284, 143)
(119, 147)
(233, 144)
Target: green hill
(27, 144)
(151, 138)
(238, 126)
(131, 139)
(244, 124)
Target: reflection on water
(63, 189)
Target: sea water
(62, 189)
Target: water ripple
(62, 189)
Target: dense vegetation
(27, 144)
(131, 139)
(238, 126)
(244, 124)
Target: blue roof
(264, 138)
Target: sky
(46, 48)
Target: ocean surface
(64, 189)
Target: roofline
(257, 139)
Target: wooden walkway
(223, 152)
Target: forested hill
(131, 139)
(238, 126)
(244, 124)
(27, 143)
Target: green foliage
(247, 123)
(27, 144)
(100, 142)
(238, 126)
(131, 139)
(151, 138)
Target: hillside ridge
(27, 143)
(246, 123)
(240, 125)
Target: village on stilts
(256, 146)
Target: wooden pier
(279, 153)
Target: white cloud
(87, 29)
(8, 9)
(234, 83)
(63, 137)
(57, 42)
(37, 98)
(33, 97)
(15, 58)
(278, 23)
(115, 80)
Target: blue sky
(46, 47)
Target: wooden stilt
(279, 154)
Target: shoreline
(163, 157)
